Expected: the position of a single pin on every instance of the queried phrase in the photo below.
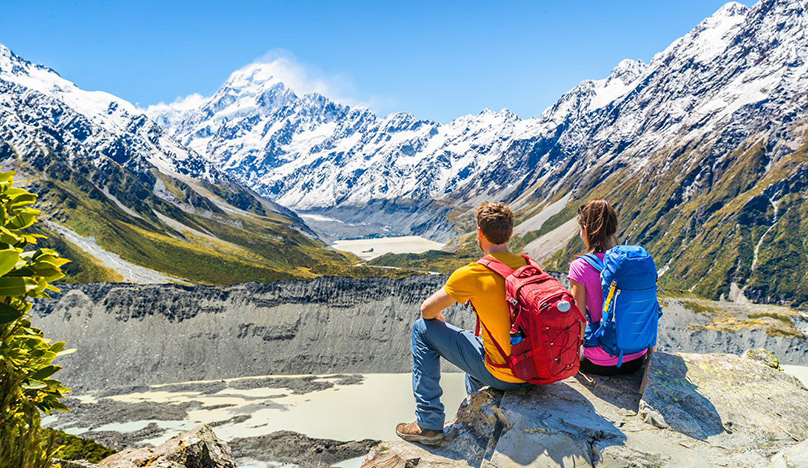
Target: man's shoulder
(470, 269)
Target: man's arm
(434, 305)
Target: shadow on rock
(552, 424)
(671, 400)
(622, 391)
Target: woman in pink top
(597, 221)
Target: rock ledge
(687, 410)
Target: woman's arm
(579, 294)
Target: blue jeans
(432, 339)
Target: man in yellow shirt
(433, 338)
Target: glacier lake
(368, 406)
(369, 249)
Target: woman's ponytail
(599, 221)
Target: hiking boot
(412, 432)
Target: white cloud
(190, 102)
(302, 78)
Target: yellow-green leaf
(16, 286)
(22, 220)
(8, 260)
(8, 313)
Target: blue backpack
(631, 308)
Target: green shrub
(27, 386)
(75, 448)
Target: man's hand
(432, 308)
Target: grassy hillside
(726, 230)
(709, 221)
(191, 233)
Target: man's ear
(480, 234)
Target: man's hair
(495, 219)
(600, 221)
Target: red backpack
(546, 326)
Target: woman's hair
(496, 221)
(599, 221)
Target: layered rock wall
(148, 334)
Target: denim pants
(433, 339)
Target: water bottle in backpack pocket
(631, 308)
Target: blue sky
(437, 60)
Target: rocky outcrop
(305, 452)
(794, 457)
(199, 448)
(690, 410)
(150, 334)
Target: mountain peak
(723, 19)
(256, 76)
(627, 71)
(731, 9)
(504, 113)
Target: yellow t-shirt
(486, 290)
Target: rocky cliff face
(138, 334)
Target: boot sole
(432, 441)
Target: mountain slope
(703, 154)
(699, 149)
(315, 155)
(713, 177)
(129, 202)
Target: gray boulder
(198, 448)
(794, 457)
(689, 410)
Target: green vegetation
(75, 448)
(27, 386)
(707, 224)
(82, 267)
(184, 232)
(700, 307)
(783, 318)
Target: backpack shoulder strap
(531, 262)
(496, 266)
(593, 261)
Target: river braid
(599, 221)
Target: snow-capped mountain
(741, 72)
(308, 152)
(83, 119)
(695, 130)
(126, 201)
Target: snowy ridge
(308, 152)
(737, 73)
(89, 121)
